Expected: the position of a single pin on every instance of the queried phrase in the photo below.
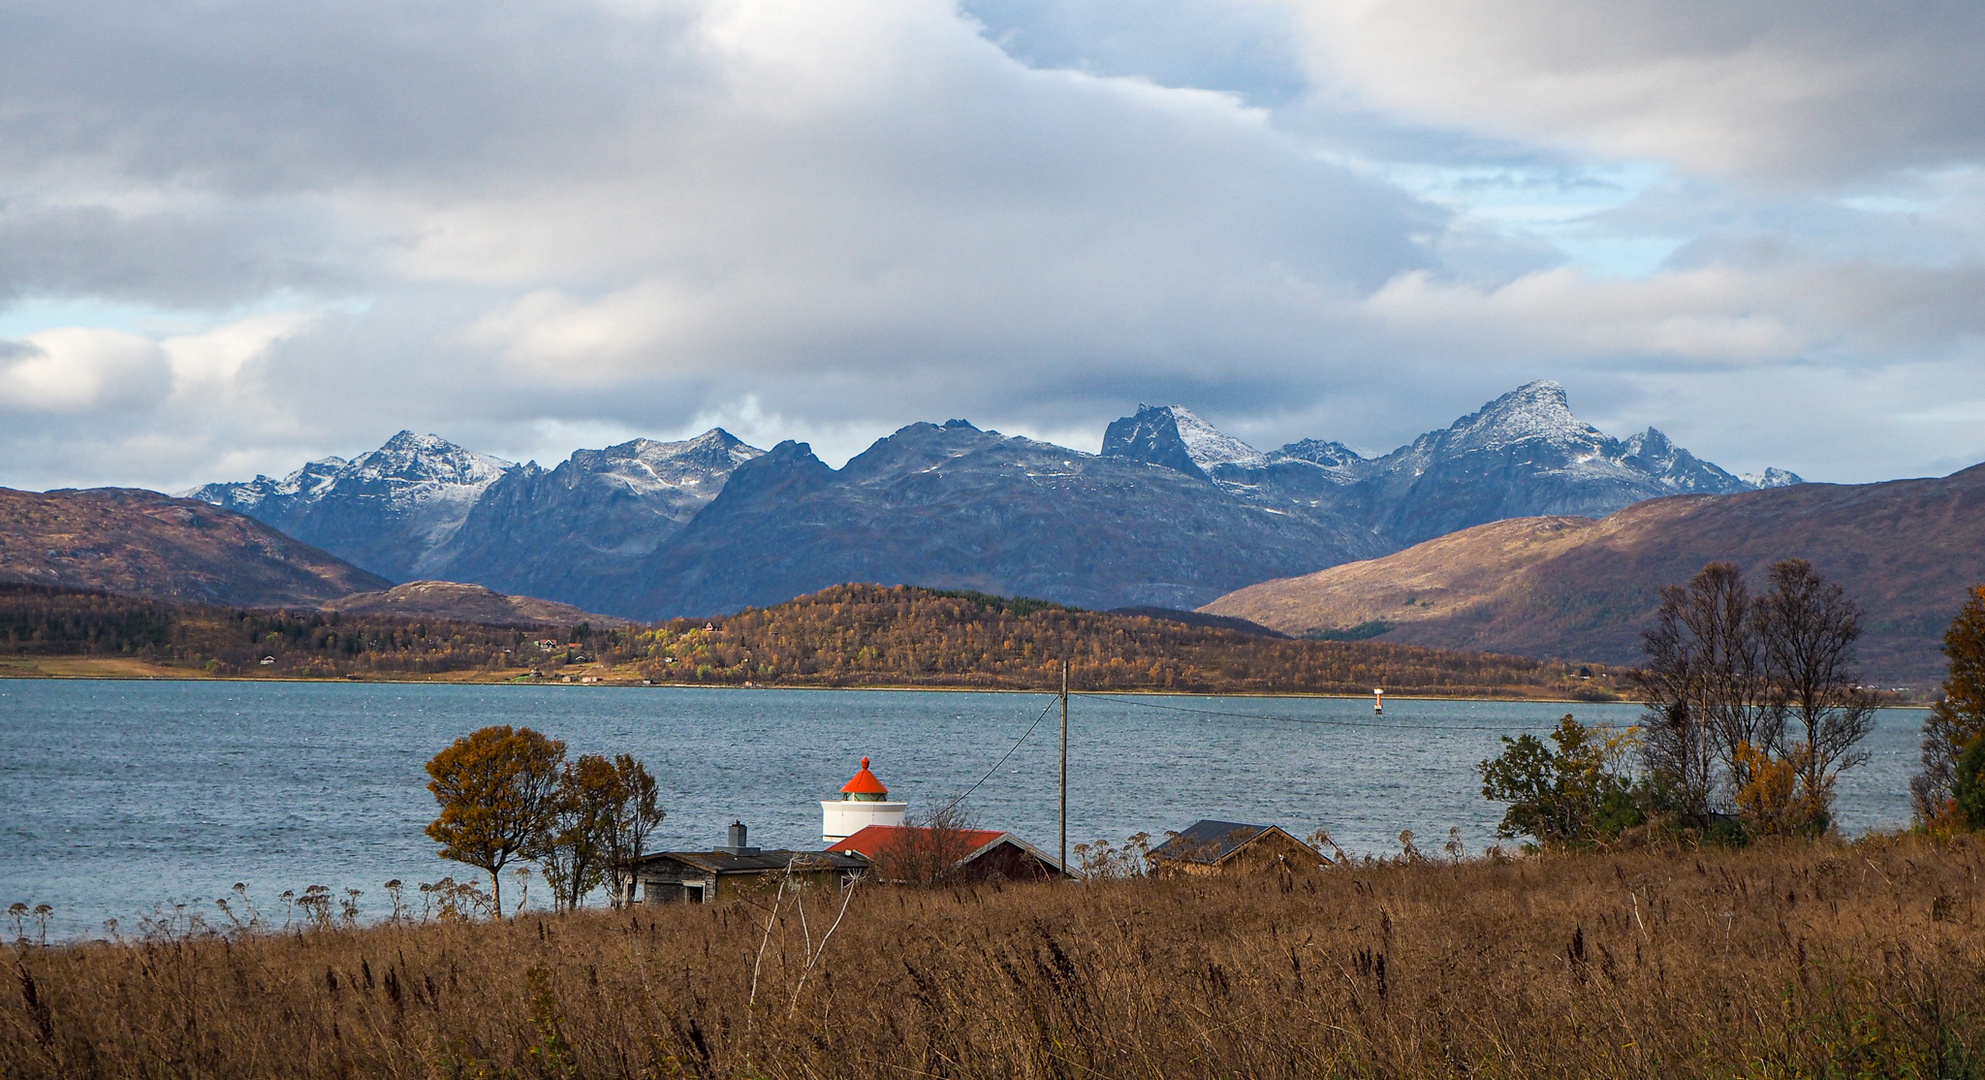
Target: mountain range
(1520, 455)
(1171, 513)
(1906, 550)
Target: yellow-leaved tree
(498, 791)
(604, 813)
(1956, 723)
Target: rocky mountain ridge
(951, 506)
(389, 509)
(1523, 454)
(1173, 511)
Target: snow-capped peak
(1535, 410)
(1208, 446)
(1772, 478)
(647, 465)
(427, 459)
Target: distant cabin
(1232, 847)
(911, 853)
(736, 868)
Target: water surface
(118, 795)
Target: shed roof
(1208, 841)
(762, 862)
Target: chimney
(737, 845)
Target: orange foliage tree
(498, 791)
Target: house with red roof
(926, 856)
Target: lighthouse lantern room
(863, 802)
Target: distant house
(1231, 847)
(700, 877)
(911, 852)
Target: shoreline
(125, 669)
(120, 669)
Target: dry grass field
(1808, 960)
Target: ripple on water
(120, 795)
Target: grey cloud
(265, 95)
(172, 259)
(1788, 92)
(827, 222)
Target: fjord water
(117, 796)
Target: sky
(236, 235)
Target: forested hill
(846, 636)
(867, 635)
(39, 622)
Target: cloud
(1785, 92)
(81, 370)
(519, 226)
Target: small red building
(914, 854)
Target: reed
(1808, 959)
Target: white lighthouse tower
(863, 802)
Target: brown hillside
(127, 540)
(1906, 550)
(465, 603)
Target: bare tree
(635, 814)
(928, 852)
(1707, 687)
(1808, 627)
(1762, 686)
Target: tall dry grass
(1808, 960)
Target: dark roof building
(734, 868)
(1231, 847)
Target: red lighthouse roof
(864, 783)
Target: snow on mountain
(408, 470)
(1653, 453)
(697, 467)
(1772, 478)
(1209, 447)
(1334, 460)
(1172, 436)
(575, 533)
(414, 464)
(386, 510)
(1537, 410)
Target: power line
(1001, 761)
(1318, 722)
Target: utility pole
(1064, 766)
